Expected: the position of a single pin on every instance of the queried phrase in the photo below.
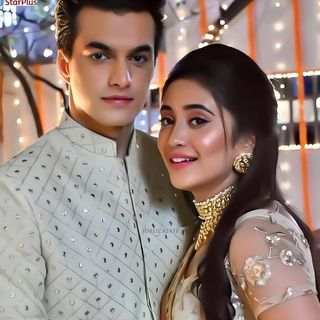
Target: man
(90, 227)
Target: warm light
(16, 102)
(165, 17)
(13, 53)
(209, 36)
(217, 38)
(211, 27)
(61, 109)
(47, 52)
(183, 31)
(282, 86)
(142, 122)
(19, 121)
(277, 45)
(16, 84)
(60, 82)
(285, 166)
(17, 64)
(318, 103)
(285, 185)
(277, 4)
(144, 112)
(46, 8)
(52, 27)
(278, 26)
(226, 26)
(180, 37)
(25, 29)
(205, 43)
(281, 65)
(221, 31)
(21, 140)
(284, 128)
(222, 22)
(224, 6)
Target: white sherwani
(87, 235)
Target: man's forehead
(133, 28)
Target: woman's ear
(246, 144)
(63, 66)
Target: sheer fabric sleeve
(270, 260)
(22, 267)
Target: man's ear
(63, 66)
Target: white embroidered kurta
(87, 235)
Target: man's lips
(117, 100)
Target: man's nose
(120, 75)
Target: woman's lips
(181, 160)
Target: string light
(144, 112)
(17, 64)
(277, 4)
(16, 84)
(277, 45)
(285, 166)
(19, 121)
(46, 8)
(284, 128)
(52, 27)
(25, 29)
(224, 6)
(47, 52)
(21, 139)
(222, 22)
(209, 36)
(13, 53)
(16, 102)
(211, 27)
(278, 26)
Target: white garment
(76, 222)
(270, 262)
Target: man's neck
(121, 135)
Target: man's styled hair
(67, 11)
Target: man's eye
(98, 56)
(139, 58)
(197, 121)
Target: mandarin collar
(89, 140)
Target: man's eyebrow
(105, 47)
(98, 45)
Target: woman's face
(192, 142)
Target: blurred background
(282, 36)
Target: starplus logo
(21, 2)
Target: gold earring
(242, 162)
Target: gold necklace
(210, 212)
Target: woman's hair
(238, 85)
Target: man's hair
(67, 11)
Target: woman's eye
(165, 121)
(98, 56)
(197, 121)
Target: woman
(251, 258)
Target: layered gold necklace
(210, 212)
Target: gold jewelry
(210, 212)
(242, 162)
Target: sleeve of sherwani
(22, 268)
(270, 261)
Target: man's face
(110, 69)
